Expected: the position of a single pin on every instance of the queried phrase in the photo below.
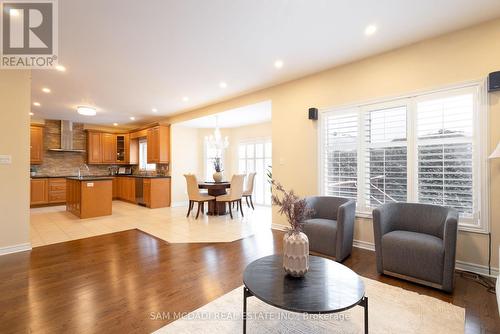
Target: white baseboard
(179, 204)
(460, 265)
(15, 249)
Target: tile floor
(51, 225)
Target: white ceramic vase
(296, 254)
(217, 176)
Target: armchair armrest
(450, 246)
(382, 224)
(346, 214)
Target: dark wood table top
(327, 287)
(214, 185)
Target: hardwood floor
(112, 283)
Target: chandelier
(216, 141)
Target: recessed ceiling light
(222, 84)
(13, 12)
(31, 114)
(154, 110)
(46, 90)
(36, 104)
(115, 124)
(61, 68)
(370, 30)
(278, 63)
(132, 118)
(185, 99)
(86, 111)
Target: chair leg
(246, 199)
(199, 207)
(241, 208)
(230, 211)
(251, 202)
(202, 208)
(189, 209)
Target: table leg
(364, 304)
(246, 294)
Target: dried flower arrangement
(217, 165)
(293, 207)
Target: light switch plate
(90, 184)
(5, 159)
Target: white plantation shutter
(428, 148)
(340, 150)
(385, 155)
(445, 152)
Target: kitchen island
(89, 197)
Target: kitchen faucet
(80, 170)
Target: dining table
(215, 189)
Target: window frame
(479, 224)
(149, 167)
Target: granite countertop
(99, 176)
(91, 178)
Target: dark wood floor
(112, 283)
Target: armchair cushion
(413, 254)
(322, 235)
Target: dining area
(221, 197)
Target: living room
(384, 117)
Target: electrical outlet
(5, 159)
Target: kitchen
(86, 167)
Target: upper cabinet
(109, 148)
(158, 140)
(94, 148)
(36, 145)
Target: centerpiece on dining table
(218, 169)
(295, 242)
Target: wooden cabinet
(39, 191)
(111, 148)
(57, 190)
(125, 188)
(94, 150)
(89, 198)
(156, 192)
(158, 140)
(108, 147)
(36, 145)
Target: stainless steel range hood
(66, 139)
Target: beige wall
(15, 104)
(184, 154)
(454, 58)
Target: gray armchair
(416, 242)
(331, 227)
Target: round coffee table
(328, 287)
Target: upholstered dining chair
(235, 194)
(195, 196)
(247, 193)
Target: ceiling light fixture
(61, 68)
(31, 114)
(185, 99)
(370, 30)
(46, 90)
(132, 118)
(86, 111)
(278, 63)
(222, 84)
(36, 104)
(154, 110)
(115, 124)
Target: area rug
(391, 310)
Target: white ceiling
(126, 57)
(247, 115)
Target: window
(256, 156)
(143, 156)
(424, 148)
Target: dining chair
(247, 193)
(234, 195)
(195, 196)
